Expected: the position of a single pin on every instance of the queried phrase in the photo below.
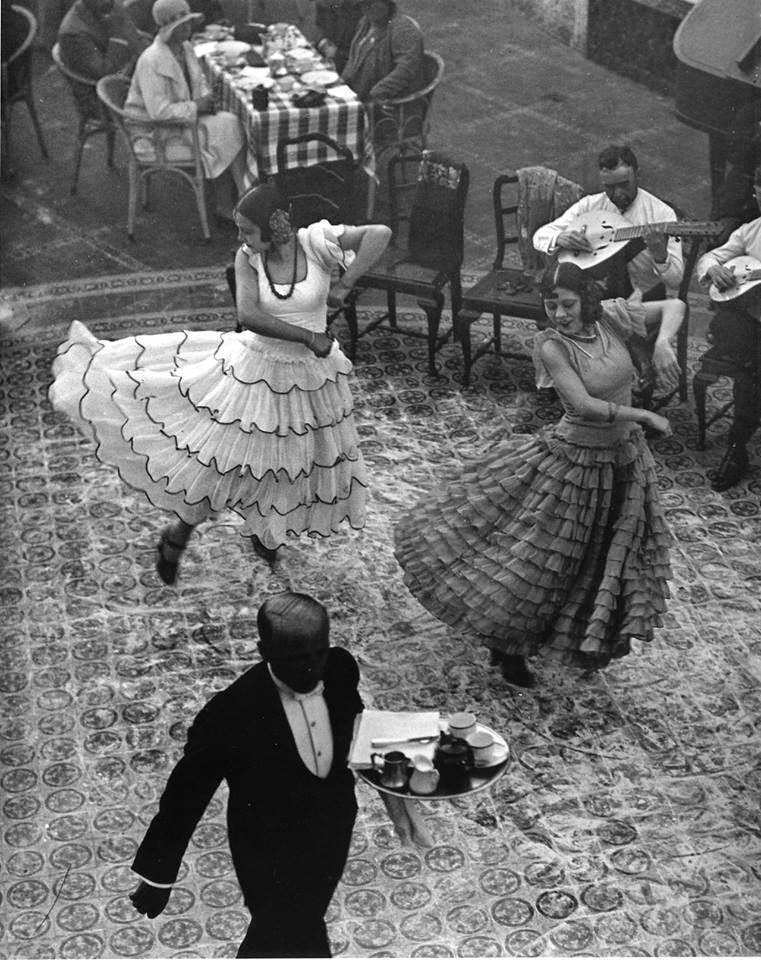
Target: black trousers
(290, 894)
(737, 335)
(285, 934)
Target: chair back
(437, 215)
(82, 88)
(523, 201)
(17, 69)
(405, 120)
(112, 93)
(322, 191)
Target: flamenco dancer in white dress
(259, 422)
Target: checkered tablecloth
(343, 120)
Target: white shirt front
(644, 272)
(308, 718)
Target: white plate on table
(319, 78)
(205, 48)
(232, 48)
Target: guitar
(747, 271)
(609, 233)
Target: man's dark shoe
(732, 468)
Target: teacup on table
(483, 746)
(461, 725)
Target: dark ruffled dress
(554, 544)
(203, 422)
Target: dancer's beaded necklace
(577, 340)
(292, 287)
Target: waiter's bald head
(291, 618)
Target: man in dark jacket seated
(386, 55)
(280, 737)
(336, 22)
(97, 37)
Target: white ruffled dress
(203, 422)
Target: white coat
(160, 91)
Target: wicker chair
(17, 82)
(402, 124)
(93, 119)
(155, 137)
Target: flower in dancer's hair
(280, 226)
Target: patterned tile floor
(628, 822)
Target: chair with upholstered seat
(712, 367)
(510, 291)
(150, 145)
(17, 78)
(431, 258)
(93, 119)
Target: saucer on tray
(501, 753)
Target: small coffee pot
(393, 768)
(453, 760)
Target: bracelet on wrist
(612, 412)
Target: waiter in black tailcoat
(279, 736)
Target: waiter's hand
(722, 276)
(666, 365)
(657, 243)
(149, 900)
(573, 240)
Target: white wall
(566, 18)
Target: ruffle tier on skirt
(546, 546)
(202, 422)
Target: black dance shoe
(168, 553)
(264, 552)
(732, 468)
(513, 668)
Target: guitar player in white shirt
(661, 260)
(736, 332)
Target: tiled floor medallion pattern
(628, 823)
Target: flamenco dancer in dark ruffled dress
(557, 544)
(258, 422)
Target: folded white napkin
(388, 725)
(341, 91)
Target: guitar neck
(672, 227)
